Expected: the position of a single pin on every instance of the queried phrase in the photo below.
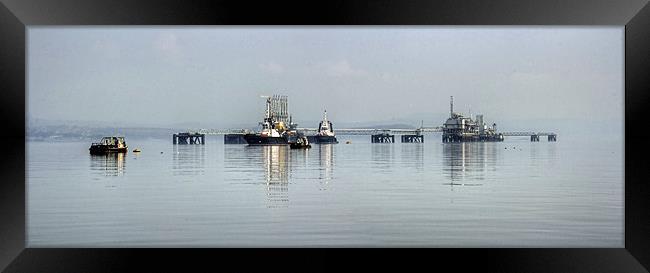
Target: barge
(108, 145)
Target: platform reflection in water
(188, 160)
(468, 161)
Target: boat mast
(266, 124)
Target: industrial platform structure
(459, 128)
(189, 138)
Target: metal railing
(528, 133)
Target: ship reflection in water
(188, 160)
(276, 174)
(275, 167)
(111, 164)
(326, 162)
(466, 163)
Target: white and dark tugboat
(325, 134)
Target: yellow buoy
(136, 150)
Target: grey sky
(158, 76)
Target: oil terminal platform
(234, 133)
(457, 128)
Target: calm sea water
(515, 193)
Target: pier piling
(188, 138)
(412, 138)
(382, 138)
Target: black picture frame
(15, 15)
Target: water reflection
(111, 164)
(542, 151)
(552, 153)
(299, 159)
(276, 174)
(413, 155)
(188, 160)
(382, 156)
(239, 160)
(326, 162)
(466, 163)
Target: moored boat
(109, 145)
(325, 134)
(301, 143)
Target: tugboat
(301, 143)
(108, 145)
(274, 132)
(325, 134)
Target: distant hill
(74, 132)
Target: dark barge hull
(322, 139)
(258, 140)
(299, 146)
(234, 139)
(101, 150)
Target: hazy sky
(215, 75)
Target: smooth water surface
(514, 193)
